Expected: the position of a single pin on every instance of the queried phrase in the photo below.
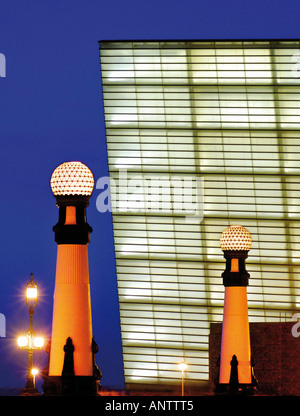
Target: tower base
(240, 390)
(30, 392)
(71, 386)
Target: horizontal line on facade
(193, 70)
(160, 359)
(202, 272)
(196, 300)
(183, 309)
(166, 373)
(206, 279)
(130, 166)
(160, 378)
(156, 328)
(195, 338)
(223, 122)
(151, 257)
(192, 113)
(152, 241)
(252, 222)
(163, 255)
(273, 298)
(203, 231)
(131, 364)
(221, 137)
(250, 175)
(211, 311)
(165, 344)
(142, 219)
(235, 43)
(211, 155)
(255, 184)
(263, 267)
(207, 227)
(201, 129)
(196, 81)
(190, 60)
(214, 55)
(192, 110)
(214, 285)
(167, 265)
(190, 317)
(178, 294)
(269, 305)
(140, 82)
(211, 174)
(188, 57)
(168, 145)
(198, 98)
(156, 358)
(140, 100)
(283, 215)
(194, 93)
(192, 116)
(148, 82)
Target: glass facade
(217, 121)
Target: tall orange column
(72, 310)
(72, 368)
(235, 359)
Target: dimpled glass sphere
(235, 238)
(72, 178)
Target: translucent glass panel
(226, 114)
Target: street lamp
(235, 358)
(34, 373)
(72, 368)
(29, 341)
(182, 368)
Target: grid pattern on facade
(226, 113)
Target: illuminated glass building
(226, 113)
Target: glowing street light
(34, 373)
(30, 342)
(182, 368)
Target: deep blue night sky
(51, 111)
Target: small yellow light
(182, 367)
(34, 371)
(22, 341)
(31, 292)
(38, 342)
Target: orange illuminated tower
(235, 359)
(72, 369)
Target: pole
(182, 382)
(29, 383)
